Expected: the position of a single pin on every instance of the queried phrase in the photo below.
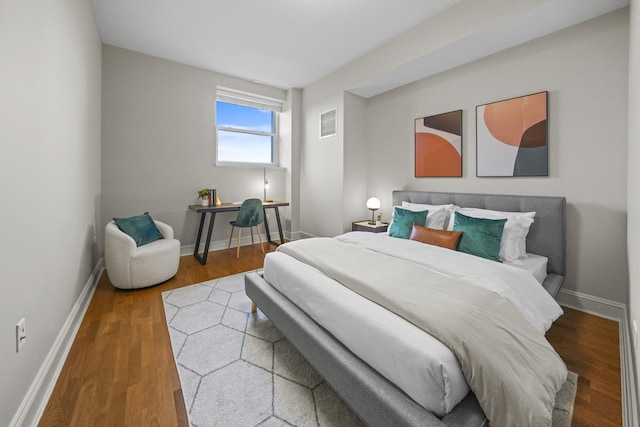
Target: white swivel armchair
(131, 267)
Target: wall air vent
(328, 123)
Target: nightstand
(372, 228)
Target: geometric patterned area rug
(236, 368)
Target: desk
(230, 207)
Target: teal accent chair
(251, 214)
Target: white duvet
(416, 362)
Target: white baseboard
(217, 245)
(292, 235)
(627, 376)
(591, 304)
(37, 397)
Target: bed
(378, 400)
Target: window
(247, 131)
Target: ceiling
(293, 43)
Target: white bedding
(514, 283)
(534, 264)
(410, 358)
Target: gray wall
(49, 181)
(633, 235)
(158, 143)
(585, 70)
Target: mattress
(417, 363)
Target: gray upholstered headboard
(546, 236)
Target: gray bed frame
(374, 398)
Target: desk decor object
(209, 197)
(204, 195)
(512, 137)
(438, 145)
(266, 185)
(213, 198)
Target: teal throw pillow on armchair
(481, 236)
(403, 221)
(141, 228)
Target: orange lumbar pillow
(431, 236)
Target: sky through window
(245, 134)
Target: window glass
(241, 117)
(245, 134)
(244, 148)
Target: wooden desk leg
(254, 307)
(207, 243)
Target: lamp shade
(373, 204)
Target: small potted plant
(204, 194)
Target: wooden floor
(120, 370)
(590, 346)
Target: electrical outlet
(21, 334)
(635, 333)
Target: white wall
(321, 167)
(328, 201)
(158, 143)
(633, 235)
(290, 133)
(49, 180)
(355, 161)
(585, 70)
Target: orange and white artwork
(438, 145)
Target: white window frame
(250, 100)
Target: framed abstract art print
(438, 145)
(512, 137)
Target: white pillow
(437, 216)
(513, 245)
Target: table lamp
(266, 185)
(373, 204)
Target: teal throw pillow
(403, 221)
(481, 236)
(141, 228)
